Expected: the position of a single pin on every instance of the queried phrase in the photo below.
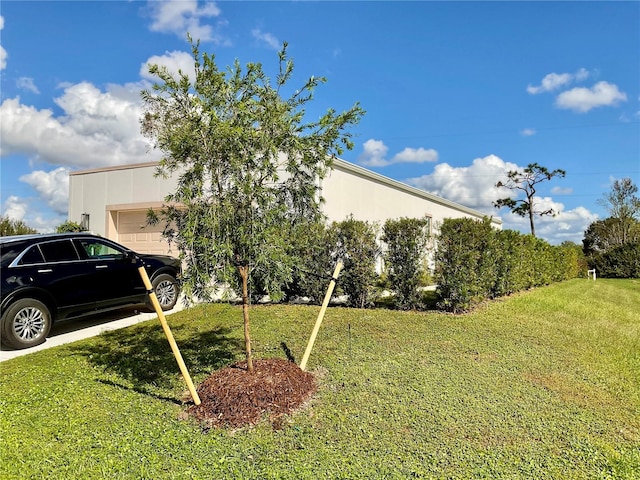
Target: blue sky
(456, 93)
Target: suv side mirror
(130, 256)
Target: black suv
(47, 278)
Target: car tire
(167, 290)
(26, 323)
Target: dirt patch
(232, 397)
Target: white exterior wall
(103, 192)
(347, 190)
(350, 189)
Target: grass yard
(544, 385)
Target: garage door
(134, 233)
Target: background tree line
(612, 245)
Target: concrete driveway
(70, 331)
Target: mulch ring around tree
(232, 397)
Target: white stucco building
(114, 201)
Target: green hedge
(622, 261)
(355, 243)
(316, 247)
(475, 262)
(311, 247)
(405, 258)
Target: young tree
(526, 181)
(248, 162)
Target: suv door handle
(102, 266)
(45, 270)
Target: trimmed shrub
(355, 242)
(464, 264)
(406, 240)
(311, 245)
(511, 272)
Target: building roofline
(366, 173)
(114, 168)
(348, 167)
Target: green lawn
(542, 385)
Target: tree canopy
(248, 164)
(611, 245)
(623, 224)
(526, 181)
(10, 227)
(608, 233)
(622, 201)
(69, 226)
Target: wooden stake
(169, 335)
(325, 304)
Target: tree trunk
(531, 214)
(244, 274)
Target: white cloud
(550, 82)
(554, 81)
(582, 75)
(527, 132)
(52, 186)
(270, 40)
(97, 129)
(3, 52)
(26, 83)
(567, 225)
(18, 209)
(582, 99)
(173, 61)
(415, 155)
(185, 16)
(373, 154)
(472, 186)
(375, 151)
(561, 191)
(14, 208)
(45, 225)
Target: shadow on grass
(142, 355)
(428, 301)
(142, 391)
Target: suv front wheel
(166, 289)
(26, 323)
